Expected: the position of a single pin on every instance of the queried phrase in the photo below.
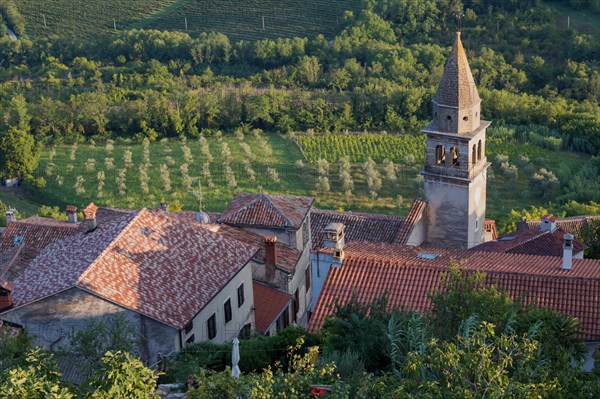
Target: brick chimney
(522, 225)
(89, 223)
(567, 252)
(72, 213)
(11, 216)
(270, 256)
(6, 290)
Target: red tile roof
(266, 210)
(269, 303)
(530, 242)
(145, 261)
(287, 257)
(571, 224)
(358, 226)
(37, 232)
(416, 210)
(370, 270)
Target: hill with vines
(239, 19)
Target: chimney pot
(568, 252)
(6, 300)
(271, 250)
(90, 217)
(11, 216)
(72, 213)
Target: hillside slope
(239, 19)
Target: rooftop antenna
(201, 217)
(459, 16)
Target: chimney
(522, 225)
(163, 207)
(89, 224)
(270, 256)
(72, 213)
(567, 252)
(11, 216)
(548, 223)
(333, 237)
(6, 289)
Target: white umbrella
(235, 358)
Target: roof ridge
(276, 208)
(108, 247)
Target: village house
(175, 282)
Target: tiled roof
(37, 232)
(266, 210)
(571, 224)
(268, 305)
(359, 226)
(370, 270)
(416, 210)
(145, 261)
(530, 242)
(457, 87)
(287, 257)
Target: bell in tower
(455, 162)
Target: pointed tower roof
(457, 88)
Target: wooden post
(568, 22)
(263, 19)
(44, 15)
(115, 24)
(185, 23)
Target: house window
(454, 154)
(307, 277)
(474, 154)
(227, 308)
(212, 326)
(440, 155)
(479, 150)
(284, 320)
(240, 294)
(188, 327)
(246, 331)
(190, 340)
(296, 306)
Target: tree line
(379, 72)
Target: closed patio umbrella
(235, 358)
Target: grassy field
(585, 21)
(264, 154)
(240, 19)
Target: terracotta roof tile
(358, 226)
(266, 210)
(530, 242)
(269, 303)
(571, 224)
(370, 270)
(287, 257)
(37, 232)
(416, 210)
(145, 261)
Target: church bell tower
(455, 161)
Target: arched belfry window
(479, 151)
(474, 154)
(440, 155)
(454, 154)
